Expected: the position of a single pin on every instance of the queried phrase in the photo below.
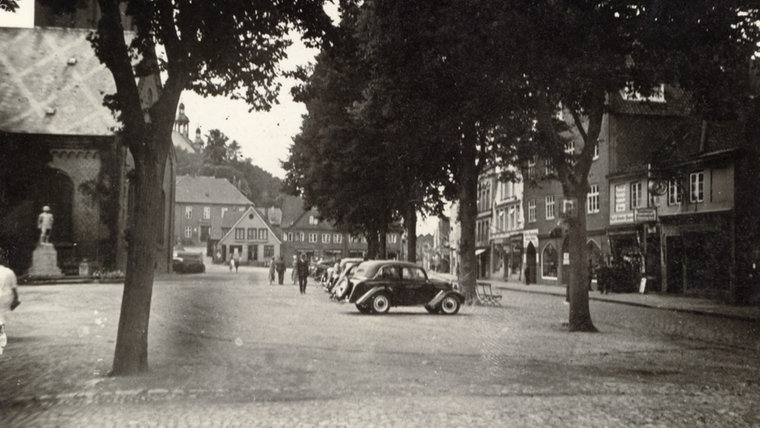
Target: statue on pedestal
(45, 224)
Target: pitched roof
(232, 219)
(208, 190)
(181, 142)
(51, 82)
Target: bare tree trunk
(411, 230)
(468, 212)
(580, 314)
(131, 354)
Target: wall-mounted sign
(646, 214)
(621, 218)
(621, 198)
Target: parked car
(188, 262)
(335, 277)
(380, 284)
(342, 287)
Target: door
(675, 255)
(530, 264)
(205, 233)
(416, 289)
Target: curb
(702, 312)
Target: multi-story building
(507, 229)
(200, 206)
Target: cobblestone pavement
(228, 349)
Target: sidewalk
(649, 300)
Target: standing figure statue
(45, 224)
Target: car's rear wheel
(380, 303)
(450, 305)
(363, 308)
(431, 310)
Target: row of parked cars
(374, 286)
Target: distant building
(248, 236)
(200, 205)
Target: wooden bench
(486, 294)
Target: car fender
(366, 296)
(441, 294)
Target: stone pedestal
(45, 262)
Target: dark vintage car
(188, 262)
(380, 284)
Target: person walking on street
(271, 271)
(8, 297)
(303, 273)
(294, 270)
(280, 266)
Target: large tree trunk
(411, 230)
(580, 314)
(468, 212)
(131, 354)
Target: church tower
(182, 123)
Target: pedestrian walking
(280, 266)
(8, 297)
(294, 270)
(303, 273)
(236, 260)
(271, 271)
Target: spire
(182, 123)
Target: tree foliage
(573, 54)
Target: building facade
(200, 205)
(249, 238)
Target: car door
(390, 276)
(417, 289)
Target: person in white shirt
(8, 298)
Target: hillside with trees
(221, 158)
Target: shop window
(549, 262)
(268, 251)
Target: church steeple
(182, 123)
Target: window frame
(550, 204)
(697, 196)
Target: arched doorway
(530, 264)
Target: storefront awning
(480, 251)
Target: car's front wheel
(380, 303)
(450, 305)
